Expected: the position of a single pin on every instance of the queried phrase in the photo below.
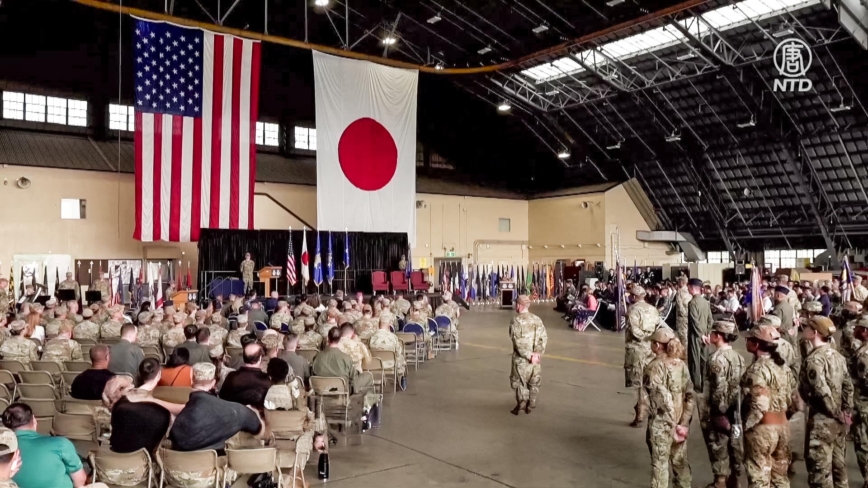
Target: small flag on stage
(317, 264)
(330, 263)
(290, 262)
(305, 259)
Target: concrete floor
(452, 427)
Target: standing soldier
(642, 319)
(70, 284)
(767, 388)
(247, 272)
(682, 298)
(847, 323)
(785, 311)
(5, 296)
(102, 286)
(860, 397)
(670, 395)
(826, 388)
(809, 310)
(698, 326)
(717, 410)
(529, 340)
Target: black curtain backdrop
(223, 250)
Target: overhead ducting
(681, 240)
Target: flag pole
(288, 285)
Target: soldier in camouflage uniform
(62, 348)
(271, 346)
(86, 329)
(529, 340)
(810, 310)
(642, 319)
(386, 340)
(367, 325)
(72, 307)
(5, 297)
(18, 347)
(247, 272)
(353, 347)
(70, 284)
(281, 316)
(234, 338)
(400, 306)
(446, 309)
(311, 339)
(303, 309)
(826, 388)
(767, 389)
(61, 319)
(847, 322)
(111, 329)
(148, 334)
(670, 394)
(216, 340)
(682, 299)
(332, 306)
(102, 286)
(174, 336)
(785, 349)
(859, 369)
(48, 313)
(331, 322)
(719, 402)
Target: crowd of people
(133, 352)
(798, 373)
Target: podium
(182, 297)
(507, 294)
(267, 274)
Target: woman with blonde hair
(34, 328)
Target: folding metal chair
(410, 349)
(136, 467)
(444, 329)
(385, 357)
(250, 461)
(177, 467)
(7, 379)
(375, 367)
(13, 366)
(37, 392)
(77, 365)
(37, 378)
(419, 332)
(78, 428)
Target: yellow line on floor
(548, 356)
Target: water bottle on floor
(323, 468)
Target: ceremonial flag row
(480, 283)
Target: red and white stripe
(199, 172)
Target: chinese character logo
(792, 59)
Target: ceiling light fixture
(673, 137)
(540, 29)
(389, 40)
(485, 50)
(786, 31)
(749, 123)
(552, 92)
(438, 66)
(504, 107)
(612, 3)
(616, 145)
(564, 154)
(841, 108)
(686, 56)
(435, 19)
(321, 3)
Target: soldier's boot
(518, 408)
(639, 419)
(719, 482)
(732, 481)
(531, 403)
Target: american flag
(290, 262)
(197, 101)
(756, 296)
(846, 279)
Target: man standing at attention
(698, 327)
(529, 340)
(785, 311)
(642, 318)
(682, 298)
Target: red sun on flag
(368, 154)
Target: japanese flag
(366, 146)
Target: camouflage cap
(37, 307)
(815, 307)
(765, 333)
(272, 341)
(18, 325)
(204, 372)
(724, 327)
(639, 292)
(771, 320)
(663, 335)
(862, 322)
(8, 438)
(201, 314)
(61, 310)
(852, 306)
(242, 319)
(87, 313)
(823, 325)
(282, 303)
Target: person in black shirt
(90, 383)
(138, 419)
(207, 422)
(249, 384)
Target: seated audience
(18, 347)
(272, 344)
(177, 371)
(297, 363)
(35, 329)
(207, 422)
(126, 354)
(138, 419)
(47, 461)
(62, 347)
(115, 389)
(248, 385)
(86, 329)
(281, 396)
(386, 340)
(353, 347)
(90, 384)
(335, 363)
(198, 352)
(256, 314)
